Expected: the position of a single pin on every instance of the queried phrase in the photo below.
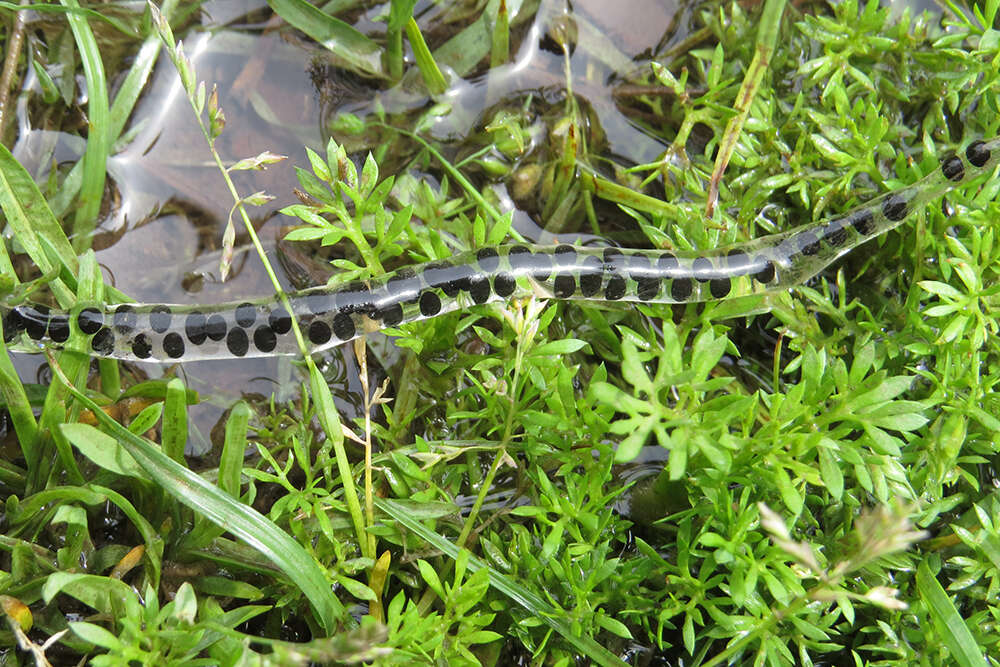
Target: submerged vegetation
(800, 478)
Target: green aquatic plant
(472, 510)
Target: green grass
(804, 479)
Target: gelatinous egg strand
(330, 317)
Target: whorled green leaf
(557, 619)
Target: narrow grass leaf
(95, 157)
(233, 449)
(107, 595)
(223, 587)
(466, 49)
(33, 224)
(326, 412)
(102, 450)
(146, 419)
(339, 37)
(118, 25)
(96, 635)
(73, 365)
(433, 77)
(175, 423)
(243, 521)
(18, 405)
(500, 48)
(767, 35)
(952, 630)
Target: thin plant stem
(321, 392)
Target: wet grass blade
(500, 49)
(554, 618)
(233, 448)
(33, 224)
(433, 77)
(38, 231)
(175, 422)
(120, 112)
(55, 410)
(213, 503)
(326, 412)
(24, 207)
(949, 624)
(18, 406)
(41, 8)
(135, 80)
(339, 37)
(473, 43)
(95, 157)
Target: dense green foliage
(804, 478)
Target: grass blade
(18, 406)
(33, 224)
(433, 77)
(500, 49)
(950, 626)
(466, 49)
(95, 158)
(243, 521)
(121, 109)
(42, 8)
(326, 412)
(400, 12)
(135, 80)
(339, 37)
